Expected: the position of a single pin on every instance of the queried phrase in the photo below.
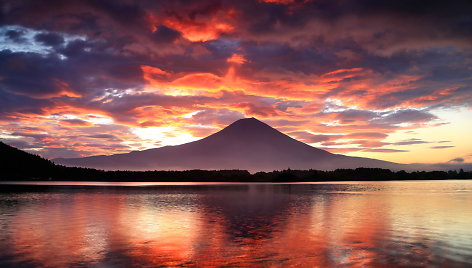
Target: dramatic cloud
(49, 39)
(103, 77)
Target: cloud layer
(102, 77)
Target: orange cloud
(199, 27)
(159, 81)
(153, 73)
(146, 115)
(314, 88)
(237, 59)
(341, 74)
(201, 81)
(65, 89)
(286, 103)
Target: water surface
(398, 224)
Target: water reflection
(357, 224)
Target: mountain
(245, 144)
(17, 164)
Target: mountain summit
(246, 126)
(245, 144)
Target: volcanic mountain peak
(247, 127)
(245, 144)
(248, 123)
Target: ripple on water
(305, 225)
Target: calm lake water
(395, 224)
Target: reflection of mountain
(246, 144)
(250, 211)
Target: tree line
(16, 164)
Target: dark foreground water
(395, 224)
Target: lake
(86, 224)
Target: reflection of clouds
(95, 242)
(440, 223)
(354, 224)
(157, 236)
(59, 231)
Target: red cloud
(237, 59)
(197, 24)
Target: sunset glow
(294, 227)
(88, 79)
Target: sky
(390, 80)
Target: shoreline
(191, 183)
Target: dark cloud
(381, 150)
(457, 160)
(34, 135)
(103, 136)
(407, 116)
(410, 142)
(15, 35)
(49, 39)
(442, 147)
(367, 135)
(13, 104)
(275, 57)
(74, 122)
(340, 150)
(83, 72)
(350, 116)
(30, 74)
(164, 34)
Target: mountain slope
(246, 144)
(17, 164)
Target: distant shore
(18, 165)
(62, 173)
